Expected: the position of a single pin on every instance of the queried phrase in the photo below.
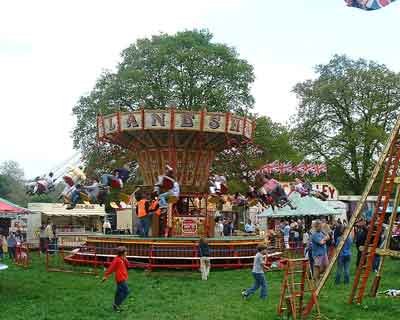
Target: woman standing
(204, 252)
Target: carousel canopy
(185, 140)
(7, 207)
(58, 209)
(306, 206)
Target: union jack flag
(308, 168)
(269, 167)
(288, 168)
(280, 168)
(299, 169)
(368, 4)
(320, 168)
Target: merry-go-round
(188, 142)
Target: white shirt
(249, 228)
(176, 189)
(107, 224)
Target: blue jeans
(343, 265)
(75, 196)
(106, 179)
(121, 293)
(53, 244)
(377, 261)
(259, 281)
(144, 226)
(162, 199)
(11, 253)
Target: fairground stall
(188, 141)
(72, 226)
(21, 221)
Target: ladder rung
(298, 271)
(297, 294)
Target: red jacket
(120, 266)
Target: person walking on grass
(204, 253)
(120, 267)
(258, 274)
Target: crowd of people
(319, 242)
(8, 244)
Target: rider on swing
(273, 188)
(169, 183)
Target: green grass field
(35, 294)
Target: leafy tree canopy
(12, 183)
(186, 70)
(344, 116)
(271, 142)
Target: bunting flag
(368, 4)
(302, 169)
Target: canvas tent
(8, 208)
(305, 206)
(15, 218)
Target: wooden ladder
(296, 283)
(386, 246)
(382, 161)
(376, 224)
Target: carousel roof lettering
(175, 120)
(186, 140)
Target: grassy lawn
(36, 294)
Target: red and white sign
(189, 227)
(326, 187)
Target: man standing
(361, 237)
(249, 227)
(48, 231)
(319, 252)
(204, 253)
(286, 234)
(106, 226)
(12, 244)
(142, 211)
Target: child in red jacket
(120, 266)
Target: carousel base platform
(172, 253)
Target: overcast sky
(51, 52)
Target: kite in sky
(368, 4)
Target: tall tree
(13, 170)
(272, 141)
(344, 116)
(12, 183)
(186, 70)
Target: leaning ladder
(296, 283)
(359, 209)
(376, 224)
(386, 247)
